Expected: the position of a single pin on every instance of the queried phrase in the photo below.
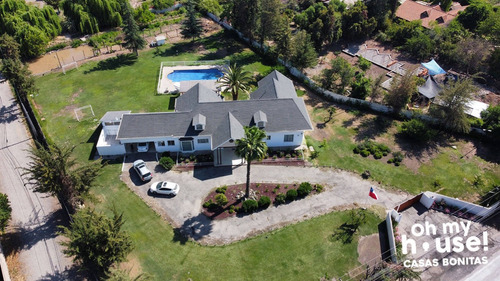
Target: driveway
(184, 211)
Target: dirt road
(32, 234)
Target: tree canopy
(5, 211)
(91, 16)
(402, 88)
(30, 26)
(133, 39)
(235, 80)
(96, 241)
(191, 26)
(52, 170)
(303, 53)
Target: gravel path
(344, 190)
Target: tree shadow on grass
(420, 150)
(373, 127)
(195, 227)
(114, 63)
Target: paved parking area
(184, 210)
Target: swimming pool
(194, 74)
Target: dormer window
(424, 15)
(199, 122)
(260, 119)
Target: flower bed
(215, 207)
(452, 210)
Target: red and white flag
(372, 194)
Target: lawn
(447, 166)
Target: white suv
(142, 170)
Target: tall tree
(14, 70)
(251, 147)
(245, 16)
(269, 19)
(5, 211)
(96, 241)
(453, 101)
(283, 39)
(303, 54)
(133, 38)
(402, 88)
(471, 54)
(341, 71)
(356, 23)
(191, 27)
(52, 170)
(235, 80)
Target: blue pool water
(194, 74)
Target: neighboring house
(203, 123)
(412, 10)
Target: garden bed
(234, 196)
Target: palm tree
(251, 147)
(235, 79)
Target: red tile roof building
(411, 10)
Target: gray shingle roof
(113, 116)
(197, 94)
(199, 119)
(224, 119)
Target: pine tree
(96, 241)
(133, 39)
(304, 54)
(191, 27)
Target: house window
(202, 140)
(171, 143)
(199, 127)
(288, 138)
(268, 138)
(161, 143)
(260, 124)
(187, 145)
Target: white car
(165, 188)
(142, 147)
(142, 170)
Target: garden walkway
(344, 190)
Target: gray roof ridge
(302, 109)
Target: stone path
(184, 210)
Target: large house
(202, 122)
(417, 10)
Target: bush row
(250, 205)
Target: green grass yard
(456, 174)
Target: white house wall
(278, 139)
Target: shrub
(365, 153)
(221, 199)
(280, 199)
(363, 63)
(249, 206)
(291, 195)
(76, 43)
(221, 189)
(167, 163)
(209, 204)
(377, 155)
(319, 188)
(356, 150)
(232, 209)
(398, 156)
(304, 189)
(416, 129)
(264, 202)
(314, 154)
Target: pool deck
(168, 86)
